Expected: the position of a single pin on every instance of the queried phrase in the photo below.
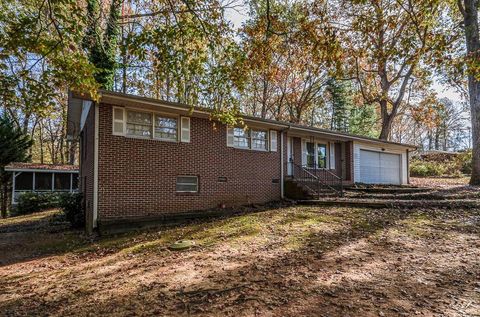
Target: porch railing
(317, 179)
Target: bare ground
(288, 261)
(439, 182)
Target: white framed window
(241, 138)
(321, 155)
(314, 154)
(187, 184)
(139, 124)
(253, 139)
(150, 125)
(259, 140)
(165, 128)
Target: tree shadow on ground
(33, 237)
(361, 264)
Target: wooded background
(359, 66)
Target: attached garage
(380, 167)
(380, 164)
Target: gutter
(205, 111)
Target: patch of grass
(240, 227)
(418, 225)
(144, 247)
(307, 217)
(29, 218)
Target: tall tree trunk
(430, 140)
(4, 195)
(40, 131)
(72, 152)
(387, 123)
(469, 9)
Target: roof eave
(186, 109)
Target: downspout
(13, 188)
(408, 166)
(282, 165)
(95, 168)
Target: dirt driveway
(288, 261)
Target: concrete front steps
(400, 197)
(379, 203)
(388, 190)
(425, 194)
(299, 191)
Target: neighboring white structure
(31, 177)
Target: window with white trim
(241, 138)
(165, 128)
(150, 124)
(321, 155)
(315, 154)
(250, 139)
(259, 140)
(187, 184)
(139, 124)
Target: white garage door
(379, 167)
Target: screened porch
(28, 177)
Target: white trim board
(95, 167)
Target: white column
(281, 164)
(13, 188)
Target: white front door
(379, 167)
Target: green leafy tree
(363, 120)
(15, 147)
(101, 40)
(341, 101)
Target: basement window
(187, 184)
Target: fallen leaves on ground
(287, 261)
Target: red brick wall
(86, 166)
(137, 177)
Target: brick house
(143, 159)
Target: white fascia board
(39, 170)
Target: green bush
(72, 207)
(29, 203)
(465, 162)
(425, 169)
(442, 164)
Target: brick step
(388, 190)
(372, 203)
(431, 196)
(300, 190)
